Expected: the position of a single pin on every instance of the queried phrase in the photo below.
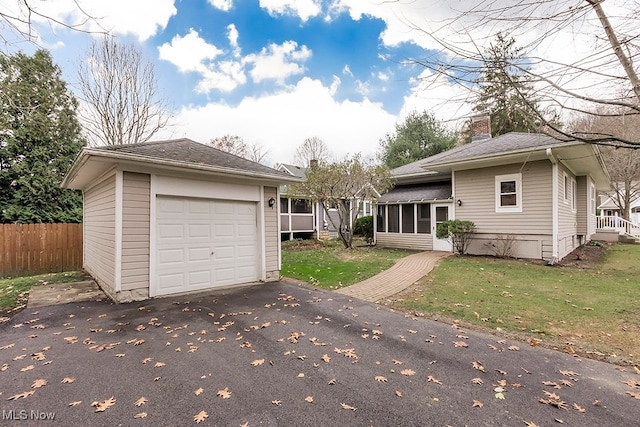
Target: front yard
(590, 309)
(587, 311)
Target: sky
(273, 72)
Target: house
(531, 189)
(609, 208)
(302, 218)
(170, 217)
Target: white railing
(618, 224)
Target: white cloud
(232, 36)
(224, 5)
(282, 120)
(304, 9)
(188, 53)
(278, 62)
(141, 18)
(227, 76)
(347, 70)
(383, 76)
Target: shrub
(364, 227)
(458, 232)
(503, 245)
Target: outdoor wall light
(272, 202)
(459, 202)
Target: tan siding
(420, 242)
(135, 230)
(567, 217)
(99, 231)
(271, 236)
(583, 205)
(476, 189)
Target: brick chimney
(480, 127)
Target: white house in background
(169, 217)
(609, 208)
(301, 218)
(535, 189)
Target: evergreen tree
(419, 136)
(505, 90)
(39, 139)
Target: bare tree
(17, 17)
(234, 144)
(582, 83)
(342, 185)
(312, 148)
(122, 104)
(622, 163)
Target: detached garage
(170, 217)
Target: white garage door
(203, 243)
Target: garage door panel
(224, 253)
(171, 256)
(171, 231)
(205, 243)
(199, 254)
(199, 231)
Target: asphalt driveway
(287, 355)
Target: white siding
(99, 232)
(135, 231)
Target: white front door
(441, 213)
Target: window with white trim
(509, 193)
(574, 194)
(565, 190)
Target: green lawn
(328, 265)
(589, 311)
(14, 292)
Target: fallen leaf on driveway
(477, 365)
(27, 368)
(140, 415)
(408, 372)
(477, 404)
(326, 358)
(141, 401)
(477, 381)
(579, 408)
(431, 379)
(381, 379)
(76, 403)
(104, 405)
(21, 395)
(398, 393)
(348, 407)
(199, 391)
(257, 362)
(308, 399)
(224, 393)
(200, 417)
(460, 344)
(277, 402)
(39, 383)
(634, 395)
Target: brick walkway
(403, 274)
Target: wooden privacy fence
(27, 249)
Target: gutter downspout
(554, 204)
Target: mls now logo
(23, 415)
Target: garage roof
(178, 154)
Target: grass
(328, 265)
(593, 312)
(14, 292)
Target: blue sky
(272, 71)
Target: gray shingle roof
(421, 192)
(298, 171)
(188, 151)
(503, 144)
